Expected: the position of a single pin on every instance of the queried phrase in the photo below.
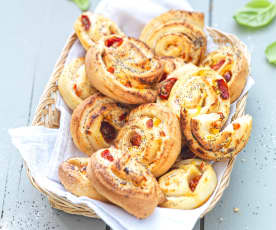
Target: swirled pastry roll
(73, 84)
(188, 185)
(207, 139)
(152, 134)
(96, 122)
(73, 176)
(90, 28)
(230, 61)
(201, 97)
(199, 90)
(124, 181)
(124, 69)
(177, 33)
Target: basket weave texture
(48, 116)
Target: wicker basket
(48, 116)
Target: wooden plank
(16, 91)
(251, 188)
(34, 51)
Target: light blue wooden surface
(33, 34)
(252, 188)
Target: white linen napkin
(44, 149)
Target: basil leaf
(270, 53)
(256, 13)
(82, 4)
(258, 3)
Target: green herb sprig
(82, 4)
(256, 13)
(270, 53)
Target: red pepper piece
(108, 131)
(136, 139)
(113, 41)
(123, 116)
(149, 123)
(236, 126)
(111, 69)
(85, 22)
(227, 76)
(218, 65)
(106, 154)
(164, 77)
(77, 92)
(166, 87)
(193, 183)
(162, 133)
(128, 84)
(223, 88)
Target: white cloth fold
(44, 149)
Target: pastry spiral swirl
(73, 84)
(188, 185)
(230, 61)
(73, 176)
(124, 181)
(177, 33)
(96, 122)
(201, 97)
(198, 90)
(124, 69)
(90, 28)
(152, 134)
(207, 138)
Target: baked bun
(73, 175)
(90, 28)
(199, 90)
(207, 138)
(73, 84)
(177, 33)
(124, 69)
(188, 185)
(96, 122)
(124, 181)
(230, 60)
(152, 134)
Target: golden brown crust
(73, 84)
(96, 122)
(73, 176)
(124, 181)
(90, 28)
(207, 139)
(177, 33)
(196, 89)
(152, 134)
(231, 60)
(200, 97)
(188, 185)
(124, 69)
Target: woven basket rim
(46, 116)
